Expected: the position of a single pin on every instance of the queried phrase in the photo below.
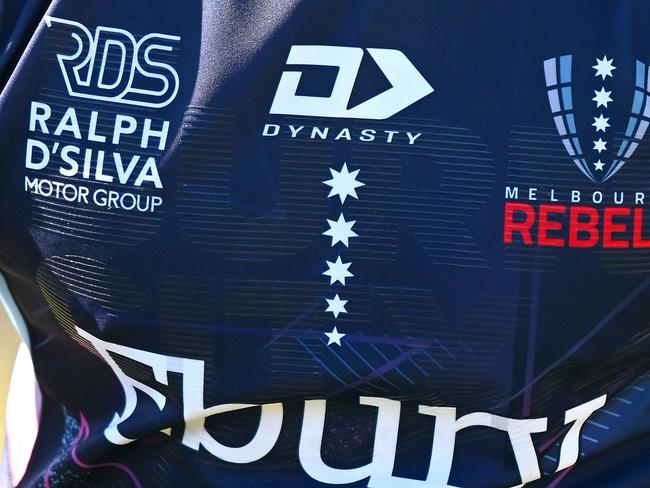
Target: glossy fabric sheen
(307, 210)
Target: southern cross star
(599, 165)
(602, 97)
(601, 123)
(340, 230)
(336, 305)
(604, 67)
(334, 337)
(338, 271)
(343, 183)
(600, 145)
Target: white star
(600, 145)
(338, 271)
(334, 337)
(340, 230)
(336, 305)
(599, 165)
(343, 183)
(600, 123)
(604, 67)
(602, 97)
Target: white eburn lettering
(139, 79)
(408, 85)
(379, 471)
(194, 412)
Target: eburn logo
(111, 65)
(408, 85)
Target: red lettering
(546, 225)
(610, 228)
(637, 240)
(522, 227)
(589, 227)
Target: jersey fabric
(321, 243)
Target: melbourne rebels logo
(601, 110)
(596, 153)
(112, 65)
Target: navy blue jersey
(315, 243)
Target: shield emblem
(601, 153)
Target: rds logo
(408, 85)
(111, 65)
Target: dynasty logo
(408, 86)
(542, 214)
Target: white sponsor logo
(408, 85)
(58, 144)
(88, 69)
(379, 471)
